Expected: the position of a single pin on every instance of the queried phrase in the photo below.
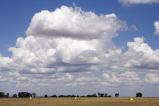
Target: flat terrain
(80, 102)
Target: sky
(79, 46)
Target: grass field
(80, 102)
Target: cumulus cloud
(123, 77)
(139, 51)
(152, 77)
(53, 41)
(127, 2)
(71, 47)
(74, 23)
(156, 25)
(5, 62)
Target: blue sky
(54, 53)
(16, 16)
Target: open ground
(80, 102)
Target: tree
(14, 96)
(102, 94)
(2, 94)
(7, 95)
(116, 94)
(105, 95)
(54, 95)
(93, 95)
(109, 95)
(24, 94)
(139, 94)
(45, 96)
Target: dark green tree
(24, 94)
(139, 94)
(2, 94)
(15, 96)
(116, 94)
(45, 96)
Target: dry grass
(80, 102)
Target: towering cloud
(66, 37)
(72, 47)
(74, 23)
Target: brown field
(80, 102)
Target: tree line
(33, 95)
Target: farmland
(80, 102)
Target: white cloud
(152, 78)
(128, 77)
(141, 56)
(74, 23)
(133, 28)
(71, 47)
(139, 46)
(156, 25)
(127, 2)
(52, 40)
(5, 62)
